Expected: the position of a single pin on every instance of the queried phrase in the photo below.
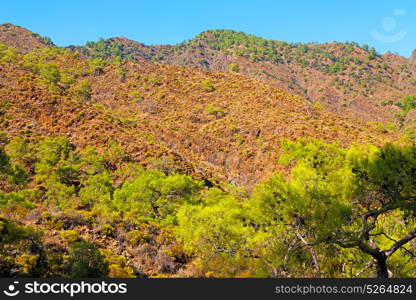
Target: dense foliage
(340, 213)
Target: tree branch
(400, 243)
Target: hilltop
(22, 39)
(345, 77)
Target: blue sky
(386, 25)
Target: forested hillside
(124, 160)
(347, 78)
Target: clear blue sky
(386, 25)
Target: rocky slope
(21, 38)
(345, 77)
(221, 123)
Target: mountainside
(226, 123)
(346, 78)
(205, 159)
(21, 38)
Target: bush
(27, 264)
(50, 73)
(216, 111)
(118, 266)
(57, 170)
(86, 261)
(82, 90)
(97, 65)
(13, 199)
(385, 102)
(207, 86)
(136, 237)
(233, 67)
(69, 236)
(20, 152)
(164, 164)
(107, 229)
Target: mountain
(203, 159)
(222, 122)
(22, 39)
(345, 77)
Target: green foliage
(104, 49)
(14, 199)
(336, 68)
(241, 43)
(57, 169)
(385, 102)
(338, 213)
(82, 90)
(97, 65)
(69, 236)
(163, 164)
(379, 126)
(20, 152)
(107, 229)
(407, 103)
(207, 86)
(335, 196)
(97, 189)
(86, 261)
(154, 195)
(118, 265)
(314, 192)
(233, 67)
(152, 80)
(7, 54)
(135, 237)
(216, 231)
(217, 111)
(4, 162)
(50, 74)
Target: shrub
(385, 102)
(107, 229)
(207, 86)
(57, 170)
(20, 152)
(136, 237)
(27, 264)
(69, 236)
(97, 65)
(13, 199)
(118, 266)
(50, 73)
(8, 54)
(216, 111)
(233, 67)
(86, 261)
(82, 90)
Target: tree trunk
(382, 271)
